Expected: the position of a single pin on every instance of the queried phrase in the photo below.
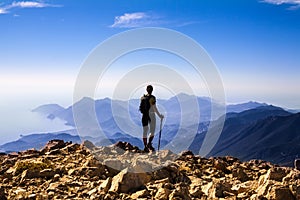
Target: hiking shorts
(149, 119)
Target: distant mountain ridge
(265, 133)
(37, 141)
(114, 123)
(251, 129)
(275, 139)
(50, 110)
(244, 106)
(172, 106)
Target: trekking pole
(159, 134)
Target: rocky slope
(72, 171)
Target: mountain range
(268, 133)
(107, 109)
(275, 139)
(251, 130)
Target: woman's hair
(149, 89)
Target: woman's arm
(156, 111)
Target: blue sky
(254, 43)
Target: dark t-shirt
(145, 118)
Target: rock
(91, 171)
(124, 145)
(141, 166)
(181, 192)
(29, 174)
(296, 190)
(244, 187)
(57, 186)
(93, 191)
(140, 194)
(281, 192)
(54, 144)
(30, 164)
(126, 181)
(196, 192)
(13, 154)
(105, 150)
(223, 190)
(164, 181)
(276, 174)
(104, 187)
(167, 155)
(32, 196)
(217, 189)
(54, 152)
(71, 148)
(187, 153)
(51, 194)
(21, 193)
(221, 165)
(257, 197)
(264, 187)
(53, 186)
(88, 144)
(162, 194)
(240, 174)
(293, 175)
(3, 195)
(73, 172)
(195, 188)
(56, 177)
(47, 173)
(114, 164)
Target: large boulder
(54, 144)
(126, 181)
(104, 187)
(218, 189)
(280, 192)
(162, 194)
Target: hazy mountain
(115, 116)
(173, 109)
(36, 141)
(274, 139)
(294, 110)
(242, 132)
(244, 106)
(265, 132)
(50, 110)
(256, 134)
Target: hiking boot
(150, 147)
(146, 149)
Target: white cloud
(295, 3)
(143, 19)
(130, 20)
(2, 11)
(279, 2)
(24, 4)
(28, 4)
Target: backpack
(145, 104)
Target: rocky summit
(62, 170)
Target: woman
(148, 117)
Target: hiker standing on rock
(148, 109)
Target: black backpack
(145, 104)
